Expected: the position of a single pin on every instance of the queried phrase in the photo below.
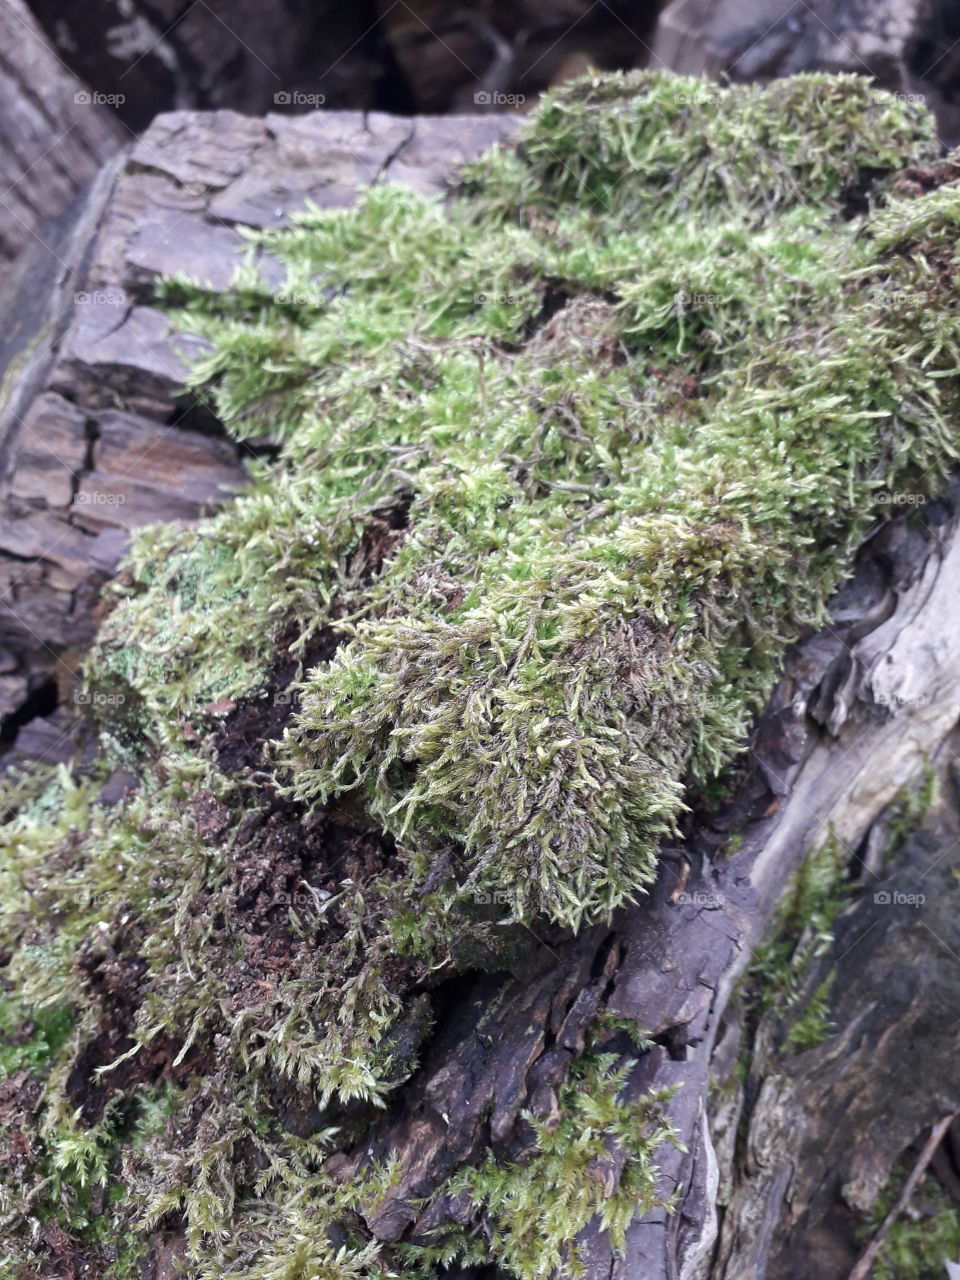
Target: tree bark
(781, 1164)
(863, 707)
(54, 138)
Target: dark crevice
(42, 702)
(190, 413)
(91, 431)
(600, 959)
(262, 449)
(675, 1040)
(555, 298)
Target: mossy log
(304, 1037)
(807, 1140)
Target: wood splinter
(862, 1270)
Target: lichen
(563, 465)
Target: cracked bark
(777, 1168)
(820, 1148)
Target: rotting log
(865, 707)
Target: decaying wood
(864, 705)
(96, 411)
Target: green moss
(659, 148)
(535, 1211)
(564, 466)
(597, 577)
(923, 1238)
(906, 812)
(814, 1027)
(801, 934)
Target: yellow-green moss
(563, 467)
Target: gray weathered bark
(863, 708)
(54, 138)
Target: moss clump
(597, 1160)
(923, 1238)
(563, 467)
(564, 549)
